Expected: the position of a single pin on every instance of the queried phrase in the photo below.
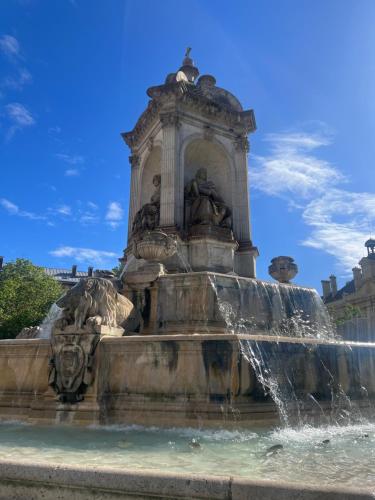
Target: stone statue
(92, 303)
(89, 309)
(207, 206)
(147, 218)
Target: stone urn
(154, 246)
(283, 269)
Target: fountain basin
(186, 380)
(205, 302)
(125, 462)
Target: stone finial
(188, 68)
(283, 269)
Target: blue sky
(74, 74)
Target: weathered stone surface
(283, 269)
(25, 481)
(181, 380)
(91, 303)
(193, 136)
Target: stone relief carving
(169, 120)
(155, 246)
(134, 160)
(242, 144)
(71, 366)
(206, 205)
(147, 218)
(91, 308)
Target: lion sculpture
(94, 302)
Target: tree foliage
(26, 294)
(350, 312)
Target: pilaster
(134, 191)
(170, 195)
(241, 208)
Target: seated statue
(147, 218)
(207, 206)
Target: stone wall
(185, 380)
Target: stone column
(169, 196)
(246, 253)
(134, 191)
(241, 220)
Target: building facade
(352, 307)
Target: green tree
(350, 312)
(117, 269)
(26, 294)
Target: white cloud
(19, 81)
(88, 255)
(54, 130)
(291, 168)
(71, 172)
(19, 115)
(14, 209)
(9, 46)
(339, 220)
(114, 214)
(64, 210)
(70, 159)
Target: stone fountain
(186, 335)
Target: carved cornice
(186, 96)
(150, 114)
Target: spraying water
(45, 329)
(278, 364)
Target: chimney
(90, 270)
(333, 284)
(1, 262)
(326, 285)
(74, 270)
(357, 276)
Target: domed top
(185, 81)
(370, 243)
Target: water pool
(338, 456)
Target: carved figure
(94, 302)
(86, 308)
(72, 365)
(207, 206)
(147, 218)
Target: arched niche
(151, 167)
(201, 153)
